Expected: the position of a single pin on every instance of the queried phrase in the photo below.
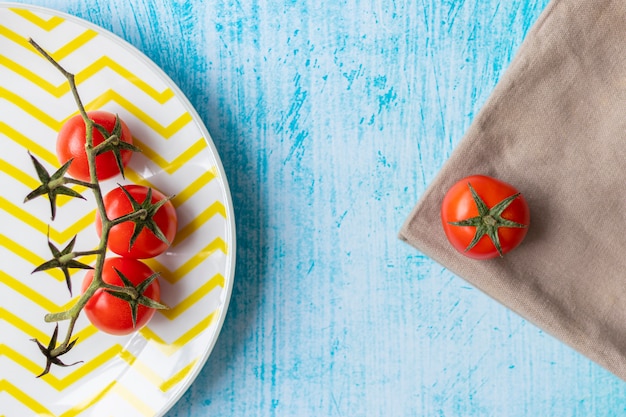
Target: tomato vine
(65, 259)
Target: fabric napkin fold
(555, 128)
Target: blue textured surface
(331, 118)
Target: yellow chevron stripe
(74, 44)
(37, 150)
(135, 401)
(58, 55)
(163, 384)
(50, 379)
(171, 166)
(213, 210)
(178, 376)
(21, 396)
(169, 348)
(141, 367)
(101, 359)
(14, 37)
(85, 369)
(113, 387)
(29, 256)
(34, 332)
(84, 75)
(34, 147)
(27, 291)
(77, 227)
(38, 114)
(98, 103)
(85, 333)
(165, 131)
(194, 187)
(79, 408)
(90, 330)
(45, 24)
(21, 360)
(40, 151)
(42, 227)
(32, 76)
(21, 324)
(88, 219)
(184, 194)
(32, 183)
(178, 199)
(200, 293)
(18, 174)
(107, 62)
(174, 276)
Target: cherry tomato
(112, 314)
(146, 245)
(71, 144)
(484, 217)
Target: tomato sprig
(55, 184)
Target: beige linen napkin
(555, 128)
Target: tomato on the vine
(484, 217)
(111, 314)
(146, 244)
(71, 145)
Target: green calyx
(489, 220)
(52, 185)
(145, 220)
(52, 351)
(113, 143)
(134, 295)
(64, 260)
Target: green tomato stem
(105, 143)
(77, 182)
(94, 184)
(139, 214)
(87, 253)
(132, 292)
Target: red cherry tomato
(111, 314)
(71, 144)
(488, 229)
(147, 245)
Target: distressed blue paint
(331, 118)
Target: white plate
(139, 375)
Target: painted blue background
(331, 117)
